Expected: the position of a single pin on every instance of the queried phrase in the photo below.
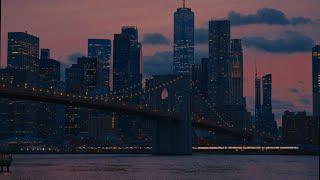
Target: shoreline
(194, 153)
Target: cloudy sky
(278, 35)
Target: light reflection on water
(163, 167)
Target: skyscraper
(23, 51)
(127, 72)
(45, 54)
(269, 125)
(81, 78)
(92, 73)
(101, 49)
(121, 58)
(23, 67)
(20, 117)
(183, 47)
(219, 63)
(316, 80)
(257, 109)
(135, 59)
(127, 59)
(236, 58)
(49, 72)
(49, 76)
(74, 76)
(267, 93)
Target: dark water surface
(199, 166)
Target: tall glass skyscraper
(45, 54)
(183, 47)
(101, 50)
(23, 51)
(236, 58)
(127, 61)
(257, 109)
(135, 55)
(121, 52)
(23, 67)
(267, 93)
(269, 125)
(316, 80)
(219, 63)
(49, 72)
(81, 78)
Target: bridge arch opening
(164, 94)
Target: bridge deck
(86, 102)
(104, 104)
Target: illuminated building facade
(23, 67)
(45, 54)
(101, 50)
(23, 51)
(49, 72)
(81, 78)
(219, 66)
(258, 109)
(135, 60)
(300, 129)
(92, 73)
(183, 47)
(316, 80)
(268, 120)
(236, 61)
(121, 58)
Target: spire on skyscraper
(256, 69)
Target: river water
(199, 166)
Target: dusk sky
(277, 34)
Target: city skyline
(121, 88)
(286, 85)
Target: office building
(82, 78)
(135, 63)
(268, 120)
(183, 47)
(258, 109)
(21, 117)
(316, 80)
(236, 61)
(219, 64)
(300, 129)
(45, 54)
(23, 51)
(121, 58)
(49, 72)
(101, 50)
(92, 73)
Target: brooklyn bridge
(172, 130)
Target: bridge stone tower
(171, 137)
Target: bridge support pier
(174, 137)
